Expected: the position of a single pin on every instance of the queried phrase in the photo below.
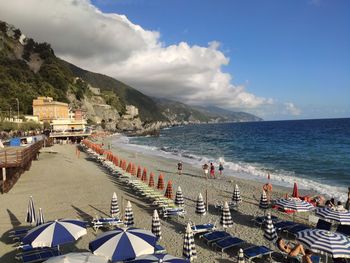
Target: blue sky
(296, 51)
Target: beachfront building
(47, 109)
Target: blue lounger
(158, 249)
(297, 228)
(256, 252)
(214, 236)
(19, 231)
(202, 228)
(40, 256)
(284, 225)
(322, 224)
(228, 242)
(260, 220)
(343, 229)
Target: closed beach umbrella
(151, 180)
(156, 229)
(340, 216)
(139, 172)
(169, 191)
(155, 258)
(189, 248)
(263, 204)
(200, 207)
(55, 233)
(179, 198)
(85, 257)
(30, 212)
(115, 160)
(226, 219)
(128, 169)
(236, 197)
(114, 206)
(128, 215)
(144, 175)
(124, 165)
(40, 218)
(240, 256)
(121, 163)
(124, 244)
(295, 193)
(133, 169)
(321, 241)
(269, 230)
(160, 184)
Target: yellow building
(47, 109)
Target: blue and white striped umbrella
(240, 256)
(83, 257)
(128, 215)
(295, 204)
(269, 230)
(339, 216)
(236, 197)
(189, 248)
(200, 207)
(55, 233)
(156, 230)
(155, 258)
(30, 212)
(325, 242)
(40, 218)
(114, 206)
(264, 204)
(179, 198)
(124, 244)
(226, 219)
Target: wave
(237, 168)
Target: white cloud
(113, 45)
(292, 109)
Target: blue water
(315, 153)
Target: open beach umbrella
(169, 191)
(236, 197)
(160, 184)
(55, 233)
(294, 204)
(263, 204)
(139, 172)
(270, 233)
(200, 207)
(151, 180)
(240, 256)
(339, 216)
(321, 241)
(295, 193)
(30, 212)
(128, 215)
(124, 244)
(189, 248)
(226, 219)
(156, 229)
(85, 257)
(144, 175)
(179, 198)
(155, 258)
(40, 218)
(114, 206)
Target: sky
(276, 59)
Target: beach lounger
(214, 236)
(256, 252)
(19, 232)
(37, 256)
(295, 229)
(158, 249)
(284, 225)
(343, 229)
(106, 223)
(228, 242)
(203, 228)
(322, 224)
(170, 212)
(260, 220)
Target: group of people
(206, 169)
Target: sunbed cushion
(229, 242)
(295, 229)
(283, 225)
(201, 227)
(212, 236)
(256, 251)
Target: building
(131, 112)
(47, 109)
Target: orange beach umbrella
(144, 175)
(151, 180)
(139, 172)
(169, 191)
(160, 184)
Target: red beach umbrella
(139, 172)
(128, 169)
(115, 160)
(295, 191)
(144, 175)
(120, 163)
(124, 165)
(169, 191)
(160, 184)
(133, 169)
(151, 180)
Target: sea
(313, 153)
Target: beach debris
(31, 212)
(151, 180)
(40, 218)
(269, 230)
(200, 207)
(189, 247)
(160, 185)
(144, 175)
(139, 172)
(226, 219)
(156, 229)
(114, 206)
(128, 215)
(169, 191)
(179, 198)
(124, 244)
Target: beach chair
(228, 242)
(17, 235)
(295, 229)
(260, 220)
(284, 225)
(106, 223)
(158, 249)
(214, 236)
(343, 229)
(322, 224)
(173, 212)
(203, 228)
(256, 252)
(38, 255)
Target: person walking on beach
(212, 170)
(179, 168)
(205, 170)
(221, 168)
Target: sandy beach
(66, 186)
